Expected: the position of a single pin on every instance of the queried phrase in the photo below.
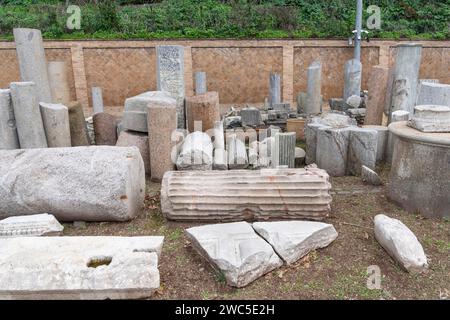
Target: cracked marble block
(332, 150)
(235, 250)
(431, 118)
(362, 150)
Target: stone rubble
(196, 152)
(370, 176)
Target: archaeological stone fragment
(202, 111)
(30, 226)
(362, 149)
(56, 124)
(196, 152)
(139, 140)
(431, 118)
(370, 176)
(78, 127)
(8, 130)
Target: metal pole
(359, 12)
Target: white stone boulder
(28, 226)
(292, 240)
(370, 176)
(235, 250)
(79, 267)
(401, 243)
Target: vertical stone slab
(396, 116)
(383, 133)
(219, 138)
(406, 77)
(288, 74)
(301, 102)
(284, 151)
(79, 75)
(433, 94)
(32, 61)
(332, 150)
(352, 78)
(162, 124)
(314, 94)
(139, 140)
(311, 141)
(78, 129)
(30, 128)
(196, 152)
(97, 100)
(237, 153)
(56, 124)
(363, 147)
(378, 84)
(8, 131)
(250, 117)
(170, 76)
(274, 89)
(203, 108)
(105, 128)
(59, 83)
(200, 83)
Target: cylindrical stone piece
(284, 153)
(59, 82)
(219, 136)
(162, 124)
(105, 128)
(97, 100)
(30, 127)
(78, 128)
(196, 152)
(73, 184)
(32, 61)
(8, 131)
(378, 83)
(56, 124)
(203, 109)
(139, 140)
(352, 78)
(314, 93)
(332, 149)
(200, 83)
(237, 195)
(220, 159)
(274, 89)
(433, 94)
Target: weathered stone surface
(382, 134)
(97, 100)
(352, 78)
(314, 90)
(363, 147)
(400, 243)
(431, 118)
(56, 124)
(274, 89)
(354, 101)
(90, 130)
(79, 267)
(8, 130)
(284, 151)
(251, 117)
(220, 159)
(301, 102)
(396, 116)
(162, 125)
(139, 140)
(332, 150)
(376, 101)
(433, 94)
(233, 122)
(203, 109)
(200, 83)
(196, 152)
(78, 128)
(30, 226)
(405, 77)
(297, 126)
(237, 153)
(337, 104)
(85, 183)
(105, 128)
(293, 240)
(219, 136)
(59, 82)
(170, 76)
(135, 110)
(30, 128)
(334, 120)
(419, 179)
(400, 115)
(299, 157)
(311, 141)
(246, 194)
(32, 62)
(370, 176)
(235, 250)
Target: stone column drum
(56, 124)
(204, 108)
(32, 61)
(274, 89)
(139, 140)
(59, 83)
(8, 130)
(420, 177)
(314, 95)
(162, 124)
(105, 128)
(78, 128)
(73, 184)
(30, 127)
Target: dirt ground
(336, 272)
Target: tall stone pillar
(352, 78)
(59, 83)
(8, 131)
(274, 89)
(32, 61)
(314, 94)
(170, 76)
(200, 83)
(97, 100)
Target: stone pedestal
(376, 101)
(78, 128)
(203, 109)
(30, 127)
(32, 61)
(284, 152)
(8, 131)
(170, 76)
(332, 150)
(362, 150)
(105, 128)
(59, 82)
(139, 140)
(352, 78)
(97, 100)
(162, 124)
(56, 124)
(433, 94)
(274, 89)
(431, 118)
(314, 95)
(200, 83)
(419, 178)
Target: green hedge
(412, 19)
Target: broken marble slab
(370, 176)
(292, 240)
(431, 118)
(401, 243)
(28, 226)
(45, 268)
(235, 250)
